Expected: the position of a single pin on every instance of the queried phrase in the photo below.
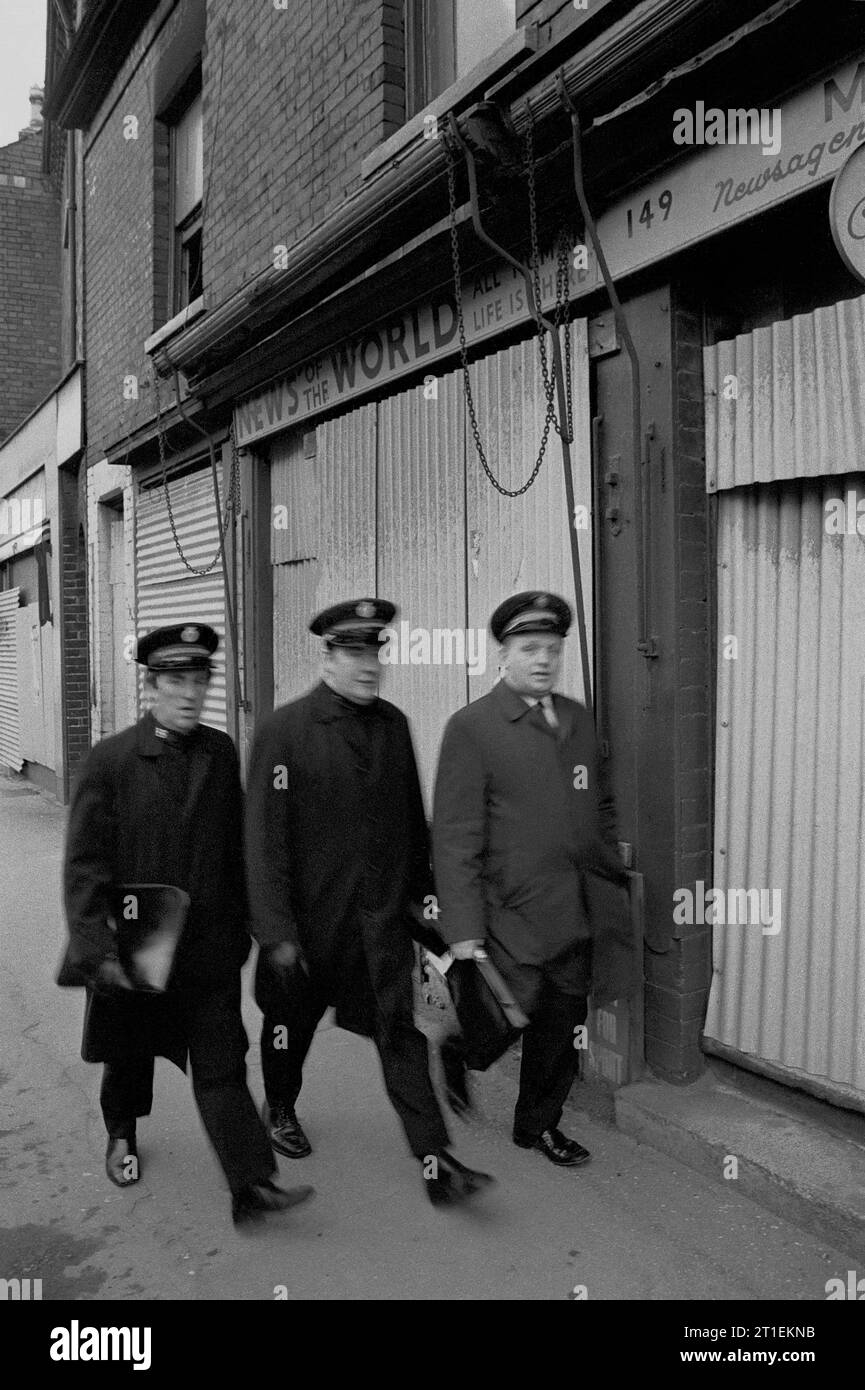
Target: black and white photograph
(432, 671)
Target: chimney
(37, 97)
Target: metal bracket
(612, 481)
(458, 139)
(603, 338)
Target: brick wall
(29, 281)
(305, 94)
(118, 197)
(678, 981)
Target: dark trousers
(217, 1044)
(126, 1094)
(550, 1060)
(401, 1048)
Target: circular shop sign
(847, 212)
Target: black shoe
(257, 1199)
(448, 1180)
(456, 1080)
(555, 1146)
(121, 1160)
(284, 1131)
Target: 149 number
(647, 216)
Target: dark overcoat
(125, 827)
(337, 847)
(524, 848)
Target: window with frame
(186, 162)
(445, 39)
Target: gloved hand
(464, 950)
(111, 979)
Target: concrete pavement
(634, 1224)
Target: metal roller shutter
(166, 591)
(10, 732)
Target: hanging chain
(458, 295)
(561, 318)
(231, 501)
(562, 310)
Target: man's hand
(283, 958)
(111, 978)
(464, 950)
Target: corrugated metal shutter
(10, 736)
(36, 684)
(421, 557)
(786, 401)
(166, 591)
(790, 759)
(346, 462)
(295, 506)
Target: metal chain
(562, 309)
(231, 500)
(470, 403)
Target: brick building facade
(29, 279)
(323, 308)
(44, 708)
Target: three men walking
(337, 856)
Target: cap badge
(365, 610)
(190, 634)
(542, 601)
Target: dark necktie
(543, 713)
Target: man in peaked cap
(337, 849)
(523, 830)
(161, 803)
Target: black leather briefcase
(148, 923)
